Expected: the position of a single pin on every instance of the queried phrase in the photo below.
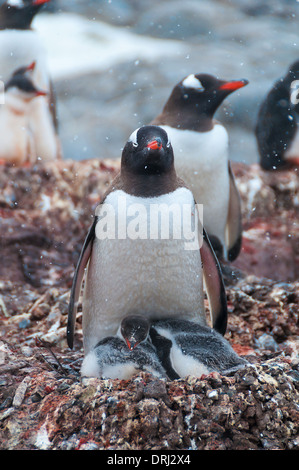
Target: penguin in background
(200, 146)
(124, 355)
(47, 142)
(20, 44)
(277, 126)
(17, 141)
(153, 275)
(187, 348)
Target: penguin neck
(184, 115)
(149, 185)
(16, 104)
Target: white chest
(293, 150)
(16, 138)
(144, 270)
(42, 128)
(201, 160)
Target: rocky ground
(45, 212)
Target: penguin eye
(168, 144)
(135, 144)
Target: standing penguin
(20, 44)
(133, 266)
(277, 127)
(187, 348)
(123, 355)
(17, 140)
(200, 146)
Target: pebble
(20, 392)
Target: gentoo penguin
(187, 348)
(124, 355)
(17, 141)
(46, 140)
(20, 44)
(134, 329)
(277, 127)
(141, 256)
(200, 145)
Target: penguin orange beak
(155, 144)
(39, 2)
(40, 93)
(131, 346)
(233, 85)
(31, 67)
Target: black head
(18, 14)
(197, 96)
(147, 152)
(22, 82)
(134, 330)
(293, 72)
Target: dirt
(45, 212)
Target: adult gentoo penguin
(17, 140)
(277, 127)
(187, 348)
(200, 146)
(132, 265)
(123, 355)
(20, 44)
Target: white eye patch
(15, 3)
(192, 82)
(133, 137)
(294, 92)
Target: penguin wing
(77, 282)
(52, 106)
(234, 219)
(214, 285)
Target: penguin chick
(186, 348)
(200, 145)
(134, 329)
(277, 126)
(118, 358)
(137, 268)
(17, 142)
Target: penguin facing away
(277, 126)
(124, 355)
(20, 44)
(153, 275)
(200, 146)
(17, 141)
(187, 348)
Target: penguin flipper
(234, 219)
(214, 285)
(53, 107)
(77, 282)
